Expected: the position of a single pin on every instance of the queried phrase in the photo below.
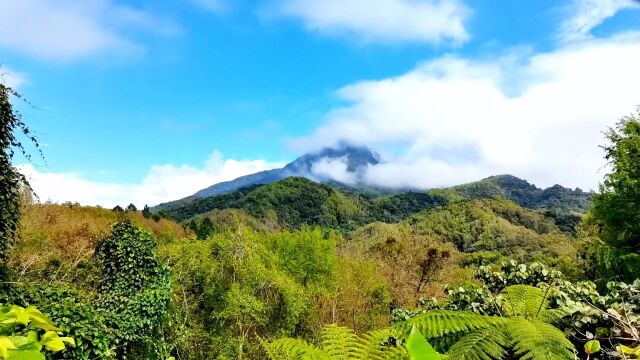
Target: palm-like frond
(341, 343)
(381, 345)
(439, 323)
(551, 316)
(537, 340)
(294, 349)
(484, 344)
(524, 300)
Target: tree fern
(294, 349)
(342, 343)
(484, 344)
(526, 330)
(524, 300)
(526, 334)
(439, 323)
(382, 345)
(339, 343)
(536, 340)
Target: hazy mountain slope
(355, 158)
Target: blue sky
(150, 101)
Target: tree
(134, 290)
(205, 229)
(146, 212)
(131, 208)
(11, 181)
(617, 207)
(117, 209)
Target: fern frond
(294, 349)
(537, 340)
(484, 344)
(381, 345)
(525, 300)
(552, 316)
(438, 323)
(341, 343)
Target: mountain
(296, 201)
(555, 198)
(356, 158)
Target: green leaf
(26, 355)
(29, 342)
(627, 350)
(39, 320)
(592, 347)
(5, 345)
(419, 348)
(52, 341)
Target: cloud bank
(540, 116)
(387, 21)
(66, 30)
(162, 183)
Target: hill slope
(295, 201)
(555, 198)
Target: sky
(150, 101)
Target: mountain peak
(355, 157)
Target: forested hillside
(296, 269)
(294, 202)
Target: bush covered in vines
(134, 291)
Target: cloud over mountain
(540, 116)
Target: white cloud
(68, 29)
(162, 183)
(11, 78)
(540, 117)
(334, 169)
(382, 21)
(588, 14)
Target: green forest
(495, 269)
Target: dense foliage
(11, 181)
(521, 192)
(617, 206)
(134, 290)
(294, 202)
(497, 269)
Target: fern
(342, 343)
(440, 323)
(380, 345)
(339, 343)
(526, 334)
(525, 300)
(526, 331)
(485, 344)
(294, 349)
(536, 340)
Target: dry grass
(54, 240)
